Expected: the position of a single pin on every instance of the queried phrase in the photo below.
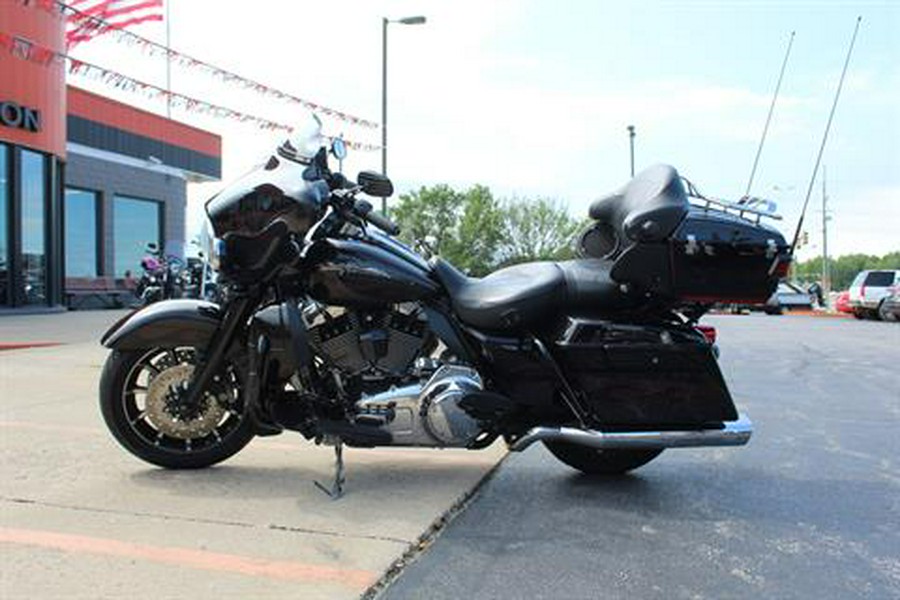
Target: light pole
(419, 20)
(631, 140)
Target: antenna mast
(826, 271)
(812, 180)
(769, 118)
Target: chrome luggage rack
(749, 208)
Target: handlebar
(344, 200)
(364, 210)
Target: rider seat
(523, 296)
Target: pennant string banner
(26, 50)
(129, 84)
(98, 26)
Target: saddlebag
(638, 376)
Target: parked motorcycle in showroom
(160, 276)
(334, 329)
(197, 279)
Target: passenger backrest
(648, 209)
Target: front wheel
(141, 399)
(593, 461)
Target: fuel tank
(360, 273)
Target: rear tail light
(708, 331)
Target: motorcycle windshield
(276, 189)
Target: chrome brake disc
(160, 391)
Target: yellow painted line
(195, 559)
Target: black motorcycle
(332, 328)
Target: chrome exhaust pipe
(734, 433)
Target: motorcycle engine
(373, 344)
(426, 414)
(403, 391)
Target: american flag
(91, 18)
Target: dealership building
(86, 182)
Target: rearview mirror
(375, 184)
(339, 148)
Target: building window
(81, 218)
(136, 223)
(34, 200)
(4, 225)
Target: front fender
(165, 324)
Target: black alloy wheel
(142, 402)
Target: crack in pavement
(201, 520)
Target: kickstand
(337, 487)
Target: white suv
(869, 289)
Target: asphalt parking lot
(809, 509)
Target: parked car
(889, 310)
(842, 303)
(787, 296)
(870, 289)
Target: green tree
(465, 228)
(478, 233)
(540, 229)
(429, 214)
(843, 268)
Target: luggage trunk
(711, 257)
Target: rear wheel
(593, 461)
(141, 399)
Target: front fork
(236, 314)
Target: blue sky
(532, 97)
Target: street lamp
(417, 20)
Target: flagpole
(168, 63)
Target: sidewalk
(81, 518)
(58, 328)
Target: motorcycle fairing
(169, 324)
